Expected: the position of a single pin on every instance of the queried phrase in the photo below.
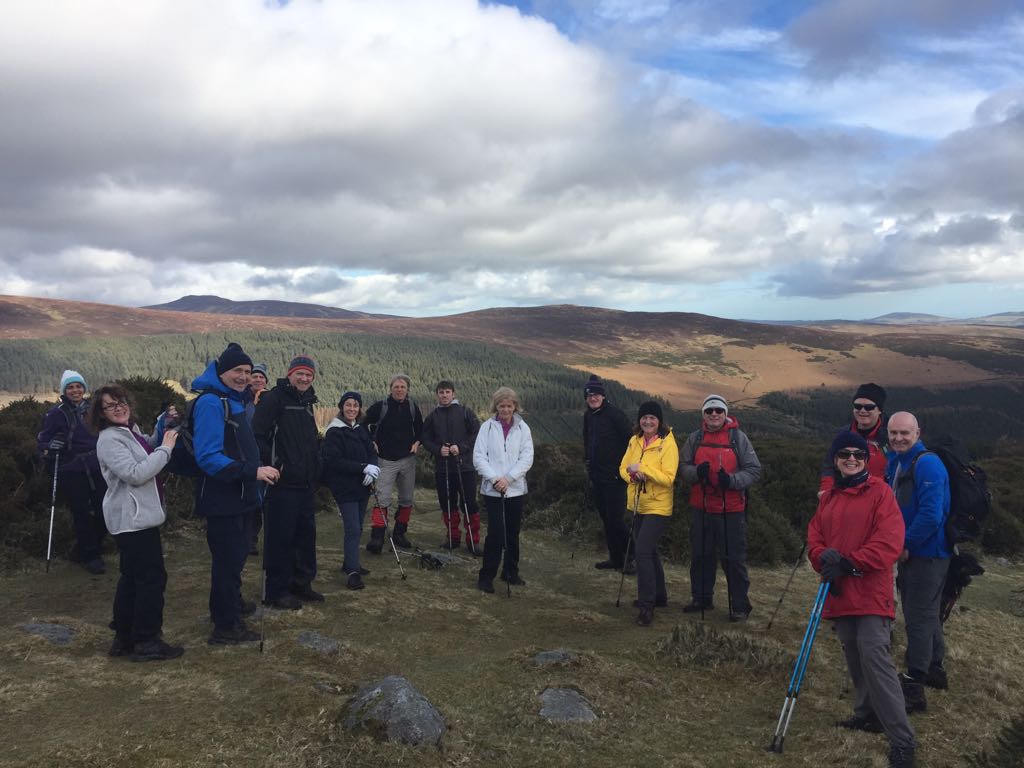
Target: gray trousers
(725, 534)
(650, 576)
(920, 581)
(865, 642)
(401, 473)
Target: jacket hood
(336, 422)
(209, 379)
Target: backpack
(970, 500)
(183, 455)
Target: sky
(784, 160)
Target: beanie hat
(650, 408)
(715, 401)
(300, 362)
(846, 439)
(871, 392)
(71, 377)
(350, 395)
(232, 357)
(260, 368)
(593, 387)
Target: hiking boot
(355, 581)
(96, 566)
(936, 678)
(486, 585)
(736, 616)
(607, 565)
(362, 571)
(449, 545)
(307, 594)
(247, 607)
(156, 650)
(284, 603)
(695, 606)
(376, 542)
(515, 581)
(901, 757)
(869, 724)
(913, 694)
(398, 536)
(630, 569)
(239, 633)
(645, 616)
(122, 645)
(659, 602)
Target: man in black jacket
(449, 433)
(289, 440)
(396, 425)
(606, 432)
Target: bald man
(921, 484)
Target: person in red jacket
(869, 422)
(854, 540)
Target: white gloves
(367, 480)
(370, 473)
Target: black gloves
(57, 444)
(723, 479)
(829, 557)
(704, 472)
(833, 571)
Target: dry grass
(678, 694)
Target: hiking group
(257, 458)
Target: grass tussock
(703, 645)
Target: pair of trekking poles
(463, 508)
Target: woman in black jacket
(350, 468)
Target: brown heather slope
(678, 355)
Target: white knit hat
(71, 377)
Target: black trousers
(289, 541)
(650, 575)
(83, 493)
(228, 540)
(610, 502)
(502, 538)
(726, 535)
(139, 599)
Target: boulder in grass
(393, 710)
(58, 634)
(546, 658)
(317, 642)
(564, 705)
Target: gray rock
(566, 706)
(1002, 562)
(58, 634)
(393, 710)
(317, 642)
(545, 658)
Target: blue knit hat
(71, 377)
(846, 439)
(350, 395)
(232, 357)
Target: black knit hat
(847, 439)
(350, 395)
(651, 408)
(593, 387)
(232, 357)
(871, 392)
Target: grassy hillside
(678, 694)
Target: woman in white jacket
(133, 512)
(502, 456)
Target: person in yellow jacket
(649, 466)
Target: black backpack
(183, 455)
(970, 499)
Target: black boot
(913, 694)
(936, 678)
(376, 542)
(645, 616)
(399, 536)
(901, 757)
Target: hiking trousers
(139, 598)
(352, 514)
(400, 473)
(227, 537)
(498, 540)
(289, 541)
(650, 576)
(724, 535)
(610, 502)
(83, 492)
(920, 581)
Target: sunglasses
(864, 406)
(717, 411)
(858, 455)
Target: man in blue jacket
(226, 490)
(921, 484)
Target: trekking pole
(504, 530)
(799, 669)
(464, 506)
(447, 513)
(703, 541)
(799, 560)
(725, 528)
(263, 562)
(629, 541)
(53, 510)
(387, 530)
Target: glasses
(858, 455)
(118, 406)
(716, 411)
(864, 406)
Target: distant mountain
(215, 305)
(1005, 319)
(911, 318)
